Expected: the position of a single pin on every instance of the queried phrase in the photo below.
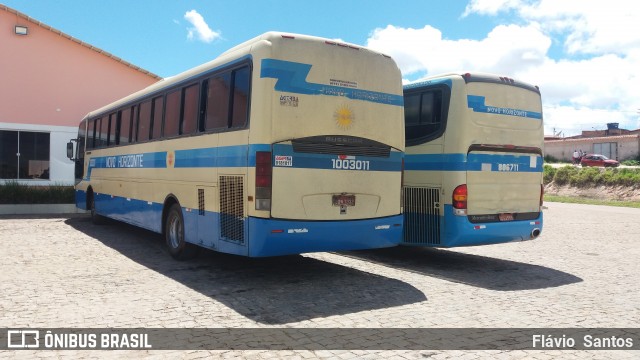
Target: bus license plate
(505, 217)
(344, 200)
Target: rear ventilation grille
(421, 216)
(341, 149)
(341, 145)
(232, 208)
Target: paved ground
(66, 272)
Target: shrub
(585, 177)
(13, 192)
(550, 159)
(563, 175)
(631, 162)
(548, 173)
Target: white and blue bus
(284, 144)
(473, 163)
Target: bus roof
(227, 56)
(474, 77)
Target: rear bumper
(271, 237)
(459, 231)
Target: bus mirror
(70, 150)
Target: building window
(24, 155)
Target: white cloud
(200, 28)
(506, 49)
(595, 80)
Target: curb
(36, 209)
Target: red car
(598, 160)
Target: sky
(584, 55)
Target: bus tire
(96, 219)
(174, 235)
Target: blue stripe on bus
(232, 156)
(443, 162)
(292, 78)
(225, 156)
(150, 160)
(473, 162)
(263, 237)
(327, 161)
(477, 103)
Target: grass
(590, 201)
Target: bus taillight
(263, 180)
(459, 200)
(541, 195)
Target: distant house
(48, 82)
(614, 143)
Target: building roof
(78, 41)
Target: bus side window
(134, 123)
(125, 126)
(156, 123)
(91, 134)
(144, 121)
(189, 109)
(423, 116)
(101, 132)
(172, 114)
(217, 102)
(241, 82)
(113, 130)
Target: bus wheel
(95, 218)
(174, 235)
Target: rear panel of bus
(480, 182)
(329, 174)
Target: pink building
(49, 82)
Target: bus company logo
(23, 339)
(344, 117)
(171, 159)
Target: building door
(609, 150)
